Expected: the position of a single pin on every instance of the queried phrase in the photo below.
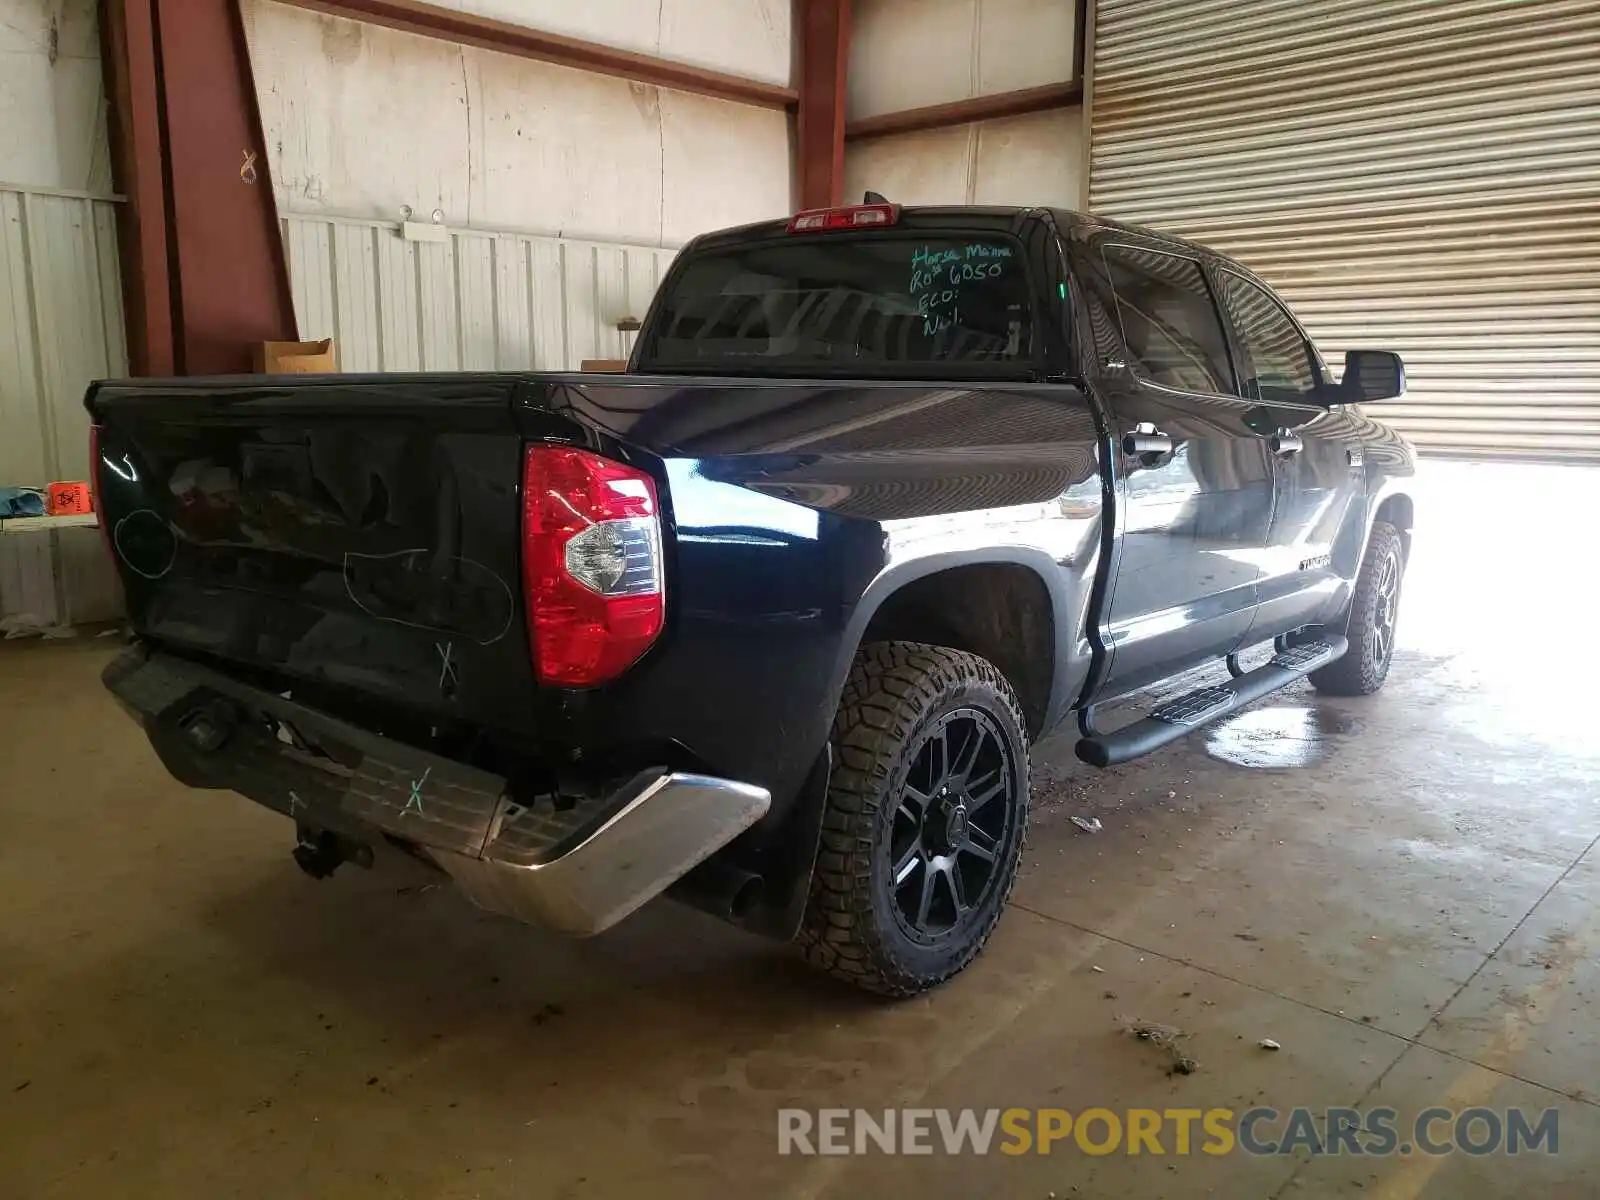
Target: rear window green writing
(848, 302)
(938, 277)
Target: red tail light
(856, 216)
(591, 565)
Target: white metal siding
(476, 301)
(906, 54)
(60, 329)
(363, 121)
(1414, 175)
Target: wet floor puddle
(1281, 738)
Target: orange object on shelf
(69, 500)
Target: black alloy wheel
(924, 819)
(954, 813)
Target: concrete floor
(1403, 891)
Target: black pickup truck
(770, 621)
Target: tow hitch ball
(319, 852)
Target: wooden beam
(467, 29)
(965, 112)
(823, 27)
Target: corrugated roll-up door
(1414, 175)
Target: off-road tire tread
(1356, 674)
(891, 687)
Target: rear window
(847, 303)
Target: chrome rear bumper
(666, 825)
(577, 869)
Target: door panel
(1317, 477)
(1194, 503)
(1318, 486)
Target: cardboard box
(608, 366)
(297, 358)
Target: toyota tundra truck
(770, 621)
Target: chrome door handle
(1285, 444)
(1146, 443)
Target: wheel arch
(1398, 510)
(1008, 605)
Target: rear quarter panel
(1387, 470)
(798, 508)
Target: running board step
(1187, 713)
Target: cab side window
(1280, 367)
(1170, 323)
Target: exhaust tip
(727, 893)
(744, 898)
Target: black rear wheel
(925, 818)
(953, 814)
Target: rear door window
(834, 303)
(1170, 323)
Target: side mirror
(1372, 375)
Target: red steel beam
(823, 27)
(204, 274)
(467, 29)
(127, 29)
(231, 288)
(964, 112)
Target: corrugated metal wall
(60, 328)
(907, 54)
(476, 301)
(1415, 175)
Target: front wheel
(1374, 610)
(923, 830)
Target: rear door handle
(1146, 443)
(1285, 444)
